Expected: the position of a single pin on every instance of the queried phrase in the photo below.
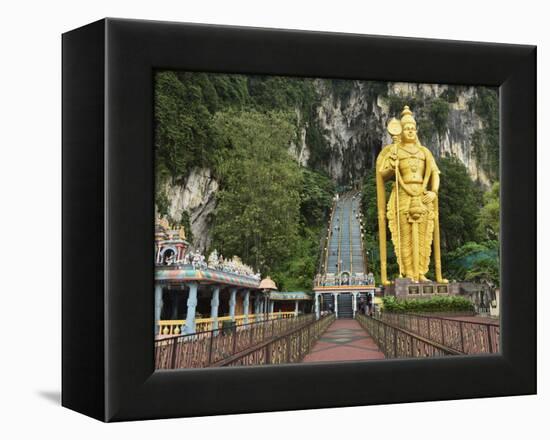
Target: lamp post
(267, 285)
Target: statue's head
(408, 125)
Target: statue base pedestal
(407, 288)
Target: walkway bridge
(342, 278)
(305, 338)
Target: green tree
(489, 218)
(297, 96)
(474, 262)
(183, 134)
(315, 197)
(257, 214)
(486, 271)
(459, 204)
(486, 140)
(297, 271)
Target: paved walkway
(344, 340)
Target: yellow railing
(174, 326)
(350, 234)
(340, 242)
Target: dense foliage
(258, 206)
(486, 139)
(460, 200)
(489, 217)
(436, 303)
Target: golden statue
(181, 232)
(412, 210)
(165, 224)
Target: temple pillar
(317, 306)
(214, 304)
(296, 308)
(158, 307)
(335, 296)
(354, 303)
(191, 308)
(257, 308)
(232, 302)
(246, 304)
(271, 305)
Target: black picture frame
(108, 219)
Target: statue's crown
(407, 116)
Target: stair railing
(339, 242)
(350, 235)
(333, 210)
(365, 265)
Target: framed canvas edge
(82, 299)
(133, 389)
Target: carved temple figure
(412, 211)
(213, 260)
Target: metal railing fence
(203, 349)
(466, 336)
(398, 343)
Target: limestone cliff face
(354, 127)
(298, 150)
(196, 197)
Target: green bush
(436, 303)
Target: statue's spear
(394, 129)
(381, 201)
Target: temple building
(195, 294)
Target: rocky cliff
(353, 124)
(193, 201)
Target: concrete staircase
(345, 306)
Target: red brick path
(344, 340)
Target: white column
(296, 309)
(271, 305)
(335, 296)
(232, 302)
(317, 306)
(246, 305)
(191, 309)
(214, 304)
(158, 307)
(257, 307)
(354, 302)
